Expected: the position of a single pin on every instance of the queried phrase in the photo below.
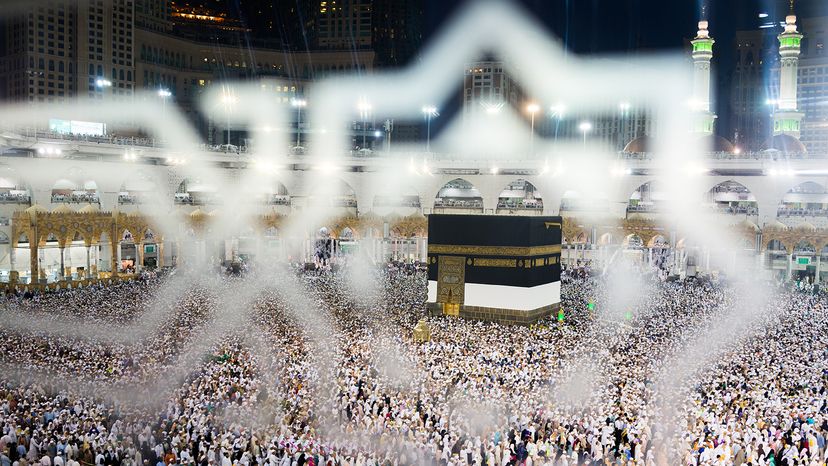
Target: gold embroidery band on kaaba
(511, 251)
(482, 262)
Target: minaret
(702, 55)
(786, 118)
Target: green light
(703, 46)
(790, 41)
(560, 315)
(591, 306)
(628, 315)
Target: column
(160, 262)
(88, 261)
(68, 269)
(33, 272)
(789, 273)
(116, 257)
(818, 263)
(62, 263)
(139, 257)
(12, 258)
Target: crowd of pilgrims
(81, 373)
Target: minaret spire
(702, 56)
(787, 118)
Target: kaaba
(504, 269)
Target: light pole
(625, 112)
(585, 127)
(430, 112)
(164, 94)
(557, 113)
(228, 100)
(298, 104)
(103, 83)
(532, 108)
(364, 108)
(388, 127)
(773, 103)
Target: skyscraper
(65, 48)
(751, 88)
(813, 84)
(396, 31)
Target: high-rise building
(751, 87)
(813, 85)
(344, 24)
(63, 48)
(487, 85)
(396, 31)
(153, 14)
(39, 52)
(391, 28)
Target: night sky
(633, 26)
(591, 27)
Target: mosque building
(63, 214)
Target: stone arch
(13, 188)
(732, 197)
(605, 239)
(806, 199)
(645, 198)
(632, 240)
(405, 200)
(776, 245)
(575, 203)
(459, 195)
(658, 241)
(335, 192)
(137, 188)
(75, 187)
(127, 235)
(519, 195)
(277, 194)
(804, 246)
(195, 192)
(4, 238)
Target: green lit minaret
(702, 56)
(787, 118)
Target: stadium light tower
(585, 127)
(298, 104)
(532, 108)
(430, 112)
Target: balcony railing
(15, 199)
(791, 212)
(459, 203)
(76, 198)
(521, 205)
